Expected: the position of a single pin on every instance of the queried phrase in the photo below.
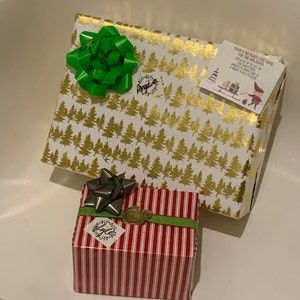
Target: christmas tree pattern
(46, 154)
(195, 125)
(119, 128)
(145, 161)
(67, 136)
(106, 151)
(263, 119)
(65, 85)
(177, 99)
(182, 69)
(90, 120)
(187, 176)
(208, 106)
(54, 157)
(151, 64)
(140, 135)
(165, 118)
(180, 150)
(170, 67)
(77, 140)
(110, 128)
(159, 141)
(97, 147)
(170, 144)
(71, 112)
(246, 168)
(74, 90)
(61, 112)
(153, 116)
(223, 161)
(238, 138)
(55, 133)
(141, 57)
(175, 172)
(167, 169)
(184, 123)
(208, 186)
(234, 168)
(251, 142)
(132, 109)
(87, 146)
(64, 161)
(197, 179)
(143, 109)
(217, 133)
(201, 154)
(220, 187)
(205, 133)
(129, 134)
(135, 159)
(113, 102)
(83, 97)
(74, 164)
(241, 192)
(192, 151)
(162, 64)
(116, 152)
(82, 167)
(228, 190)
(155, 169)
(212, 158)
(217, 206)
(94, 168)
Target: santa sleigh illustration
(231, 89)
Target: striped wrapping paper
(147, 261)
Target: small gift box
(150, 245)
(163, 130)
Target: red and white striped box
(147, 261)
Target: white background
(255, 258)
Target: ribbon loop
(104, 61)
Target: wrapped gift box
(148, 260)
(164, 131)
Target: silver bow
(108, 191)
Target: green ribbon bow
(104, 61)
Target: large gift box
(149, 260)
(165, 130)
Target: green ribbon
(104, 61)
(158, 219)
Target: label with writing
(242, 76)
(104, 230)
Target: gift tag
(104, 230)
(242, 76)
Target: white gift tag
(104, 230)
(242, 76)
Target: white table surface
(255, 258)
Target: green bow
(104, 61)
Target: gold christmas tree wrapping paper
(164, 131)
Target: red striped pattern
(147, 261)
